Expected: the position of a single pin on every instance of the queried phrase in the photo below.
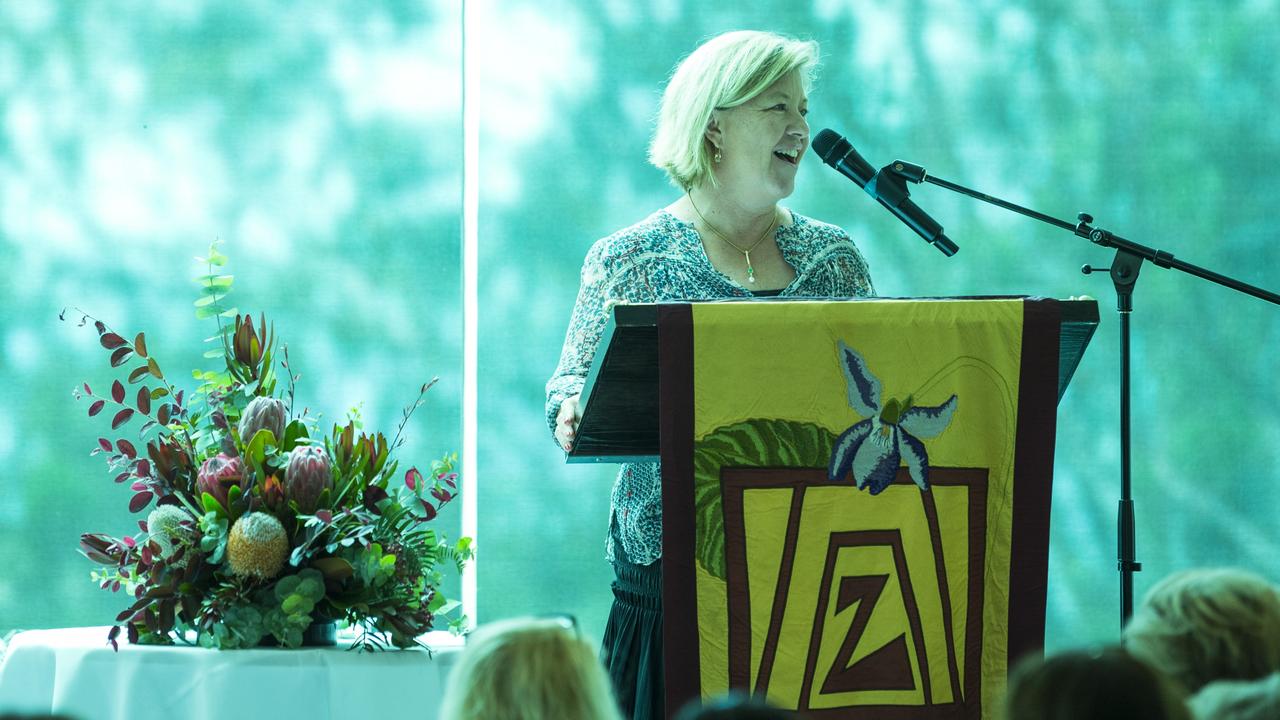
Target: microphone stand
(1124, 275)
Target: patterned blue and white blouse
(659, 259)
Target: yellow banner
(853, 482)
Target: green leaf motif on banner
(751, 443)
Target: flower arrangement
(261, 525)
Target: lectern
(855, 493)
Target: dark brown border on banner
(733, 483)
(1033, 476)
(675, 437)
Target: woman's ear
(713, 133)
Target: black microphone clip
(887, 186)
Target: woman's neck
(729, 216)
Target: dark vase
(320, 633)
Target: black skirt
(633, 639)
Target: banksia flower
(218, 474)
(165, 524)
(257, 546)
(263, 413)
(309, 474)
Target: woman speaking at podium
(730, 134)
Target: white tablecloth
(74, 672)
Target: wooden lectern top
(620, 397)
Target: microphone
(883, 185)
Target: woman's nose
(799, 127)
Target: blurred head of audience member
(1238, 700)
(1099, 685)
(1198, 626)
(733, 706)
(529, 669)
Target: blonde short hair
(1198, 626)
(1238, 699)
(529, 669)
(724, 72)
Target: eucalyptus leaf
(296, 604)
(206, 300)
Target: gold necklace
(746, 253)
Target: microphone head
(829, 145)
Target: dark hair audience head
(1101, 685)
(733, 706)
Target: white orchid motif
(875, 446)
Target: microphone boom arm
(905, 171)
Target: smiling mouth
(791, 157)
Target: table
(74, 672)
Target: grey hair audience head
(734, 706)
(1238, 700)
(529, 669)
(1103, 685)
(1198, 626)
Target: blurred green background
(325, 149)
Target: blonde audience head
(529, 669)
(1198, 626)
(1238, 700)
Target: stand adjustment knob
(1085, 218)
(1090, 269)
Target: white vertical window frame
(470, 301)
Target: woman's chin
(780, 190)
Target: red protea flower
(219, 473)
(263, 413)
(309, 474)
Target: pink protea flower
(263, 413)
(218, 474)
(309, 474)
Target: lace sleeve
(586, 325)
(616, 271)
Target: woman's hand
(567, 421)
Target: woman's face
(761, 143)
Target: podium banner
(856, 500)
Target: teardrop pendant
(751, 271)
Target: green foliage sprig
(260, 523)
